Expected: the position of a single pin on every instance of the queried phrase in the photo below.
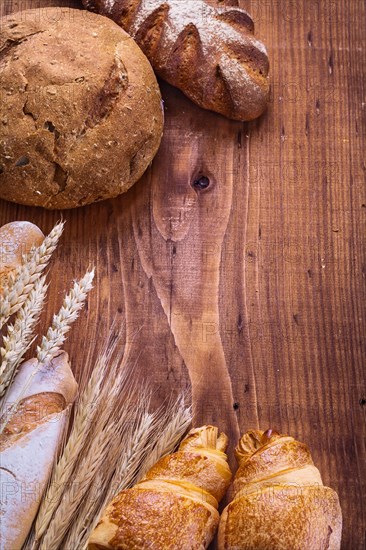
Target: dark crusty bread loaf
(81, 113)
(208, 53)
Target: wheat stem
(178, 417)
(97, 445)
(86, 409)
(89, 466)
(56, 334)
(132, 455)
(110, 448)
(153, 436)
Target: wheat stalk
(107, 455)
(73, 303)
(81, 482)
(178, 417)
(19, 283)
(56, 334)
(155, 436)
(133, 455)
(88, 515)
(128, 426)
(19, 337)
(97, 446)
(77, 525)
(78, 535)
(86, 410)
(92, 506)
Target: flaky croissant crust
(175, 505)
(280, 502)
(262, 456)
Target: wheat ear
(19, 336)
(178, 418)
(89, 514)
(86, 472)
(86, 409)
(107, 426)
(73, 303)
(20, 283)
(109, 449)
(151, 436)
(134, 453)
(56, 334)
(99, 447)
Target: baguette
(280, 502)
(209, 53)
(30, 440)
(16, 239)
(175, 505)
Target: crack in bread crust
(89, 124)
(116, 83)
(186, 41)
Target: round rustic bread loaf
(81, 114)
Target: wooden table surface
(253, 290)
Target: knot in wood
(200, 183)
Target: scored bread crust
(209, 53)
(30, 441)
(81, 109)
(280, 502)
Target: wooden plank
(254, 288)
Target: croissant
(175, 505)
(209, 53)
(279, 500)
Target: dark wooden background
(254, 289)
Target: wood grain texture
(252, 289)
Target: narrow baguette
(209, 53)
(30, 440)
(280, 502)
(175, 505)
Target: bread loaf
(81, 110)
(175, 505)
(16, 239)
(29, 442)
(280, 502)
(208, 53)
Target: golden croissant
(280, 502)
(175, 505)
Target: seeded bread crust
(209, 53)
(81, 112)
